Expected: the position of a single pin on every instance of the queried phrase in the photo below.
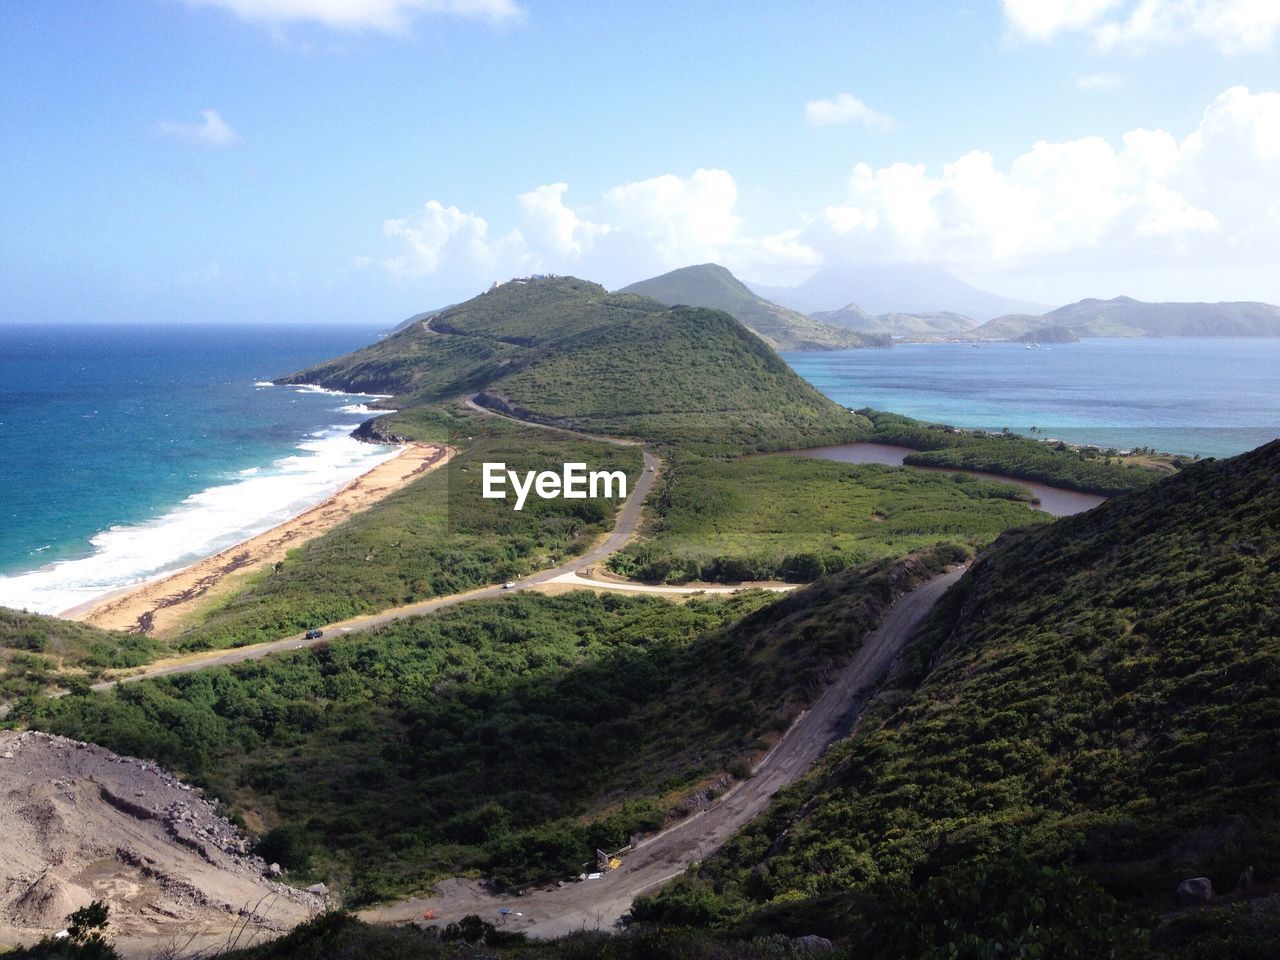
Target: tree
(84, 939)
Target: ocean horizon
(130, 451)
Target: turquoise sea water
(129, 450)
(1213, 397)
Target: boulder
(274, 870)
(1195, 890)
(814, 944)
(319, 889)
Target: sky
(362, 160)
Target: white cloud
(646, 225)
(843, 109)
(213, 131)
(390, 16)
(678, 220)
(1150, 199)
(1044, 19)
(1234, 26)
(552, 225)
(440, 238)
(1098, 81)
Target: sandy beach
(159, 606)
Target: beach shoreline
(159, 606)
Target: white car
(509, 585)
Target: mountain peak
(712, 286)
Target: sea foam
(202, 525)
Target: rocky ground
(79, 823)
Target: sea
(129, 451)
(1212, 397)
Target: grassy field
(1093, 720)
(795, 518)
(511, 737)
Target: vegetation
(85, 939)
(509, 737)
(459, 349)
(1094, 706)
(564, 351)
(1010, 455)
(712, 286)
(35, 648)
(906, 326)
(435, 537)
(1126, 317)
(687, 377)
(338, 936)
(797, 518)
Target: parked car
(509, 585)
(314, 634)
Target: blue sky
(359, 160)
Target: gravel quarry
(79, 823)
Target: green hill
(1126, 317)
(905, 326)
(711, 285)
(565, 351)
(1048, 333)
(1088, 718)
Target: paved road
(593, 904)
(625, 527)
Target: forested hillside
(565, 351)
(1092, 718)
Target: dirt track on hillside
(597, 904)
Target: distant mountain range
(1126, 317)
(711, 286)
(885, 288)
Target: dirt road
(597, 904)
(625, 527)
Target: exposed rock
(1195, 890)
(814, 944)
(79, 823)
(274, 870)
(319, 889)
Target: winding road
(597, 904)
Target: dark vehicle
(314, 634)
